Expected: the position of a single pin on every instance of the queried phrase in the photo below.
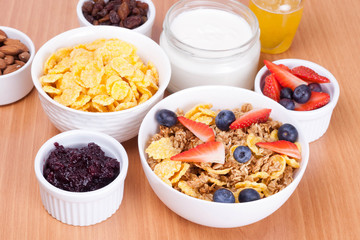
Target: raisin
(87, 7)
(132, 22)
(123, 10)
(114, 17)
(142, 5)
(135, 11)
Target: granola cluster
(267, 172)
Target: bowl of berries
(222, 156)
(307, 90)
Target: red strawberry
(283, 147)
(317, 100)
(207, 152)
(309, 75)
(253, 116)
(272, 88)
(201, 130)
(284, 77)
(284, 67)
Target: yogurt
(211, 43)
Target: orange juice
(278, 21)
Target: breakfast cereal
(105, 75)
(266, 171)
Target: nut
(18, 62)
(2, 38)
(16, 43)
(11, 68)
(2, 64)
(9, 59)
(2, 55)
(2, 33)
(10, 50)
(24, 56)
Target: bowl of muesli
(222, 156)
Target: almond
(2, 55)
(2, 38)
(2, 64)
(9, 59)
(10, 50)
(17, 43)
(24, 56)
(11, 68)
(18, 62)
(2, 33)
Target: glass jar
(193, 65)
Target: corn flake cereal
(100, 76)
(161, 149)
(167, 168)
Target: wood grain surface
(326, 204)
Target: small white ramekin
(18, 84)
(82, 208)
(145, 28)
(314, 123)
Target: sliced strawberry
(309, 75)
(284, 77)
(213, 152)
(284, 67)
(253, 116)
(201, 130)
(317, 100)
(283, 147)
(272, 88)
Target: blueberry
(248, 195)
(242, 154)
(287, 132)
(315, 87)
(287, 103)
(286, 93)
(302, 93)
(166, 117)
(223, 195)
(224, 119)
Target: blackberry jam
(80, 169)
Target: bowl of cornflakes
(138, 15)
(222, 156)
(81, 176)
(100, 78)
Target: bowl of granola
(222, 156)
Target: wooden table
(324, 206)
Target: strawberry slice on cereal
(251, 117)
(201, 130)
(212, 152)
(283, 147)
(284, 77)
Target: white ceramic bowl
(145, 29)
(123, 125)
(314, 123)
(213, 214)
(82, 208)
(18, 84)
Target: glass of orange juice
(278, 21)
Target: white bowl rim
(68, 33)
(147, 24)
(320, 111)
(296, 180)
(124, 164)
(28, 42)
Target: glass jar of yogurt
(211, 42)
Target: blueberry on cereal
(248, 195)
(224, 119)
(166, 117)
(242, 154)
(287, 132)
(223, 195)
